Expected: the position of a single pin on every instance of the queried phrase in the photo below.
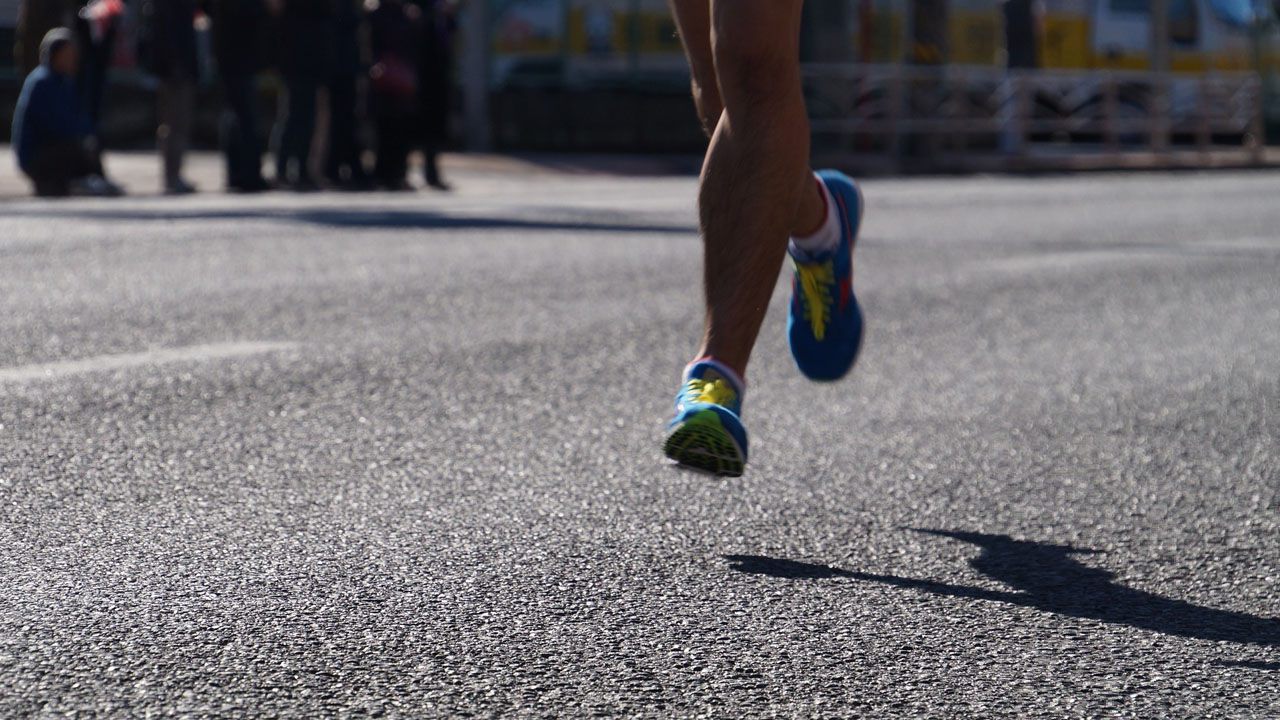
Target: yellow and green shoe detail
(702, 441)
(707, 432)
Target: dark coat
(395, 39)
(306, 38)
(48, 112)
(167, 39)
(238, 35)
(435, 69)
(1020, 36)
(348, 41)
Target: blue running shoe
(707, 431)
(824, 326)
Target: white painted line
(193, 353)
(1082, 259)
(1241, 243)
(1060, 261)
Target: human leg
(395, 137)
(756, 178)
(403, 146)
(693, 21)
(293, 152)
(431, 166)
(240, 134)
(57, 166)
(344, 144)
(335, 155)
(177, 97)
(304, 117)
(279, 134)
(744, 59)
(232, 131)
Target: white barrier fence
(897, 111)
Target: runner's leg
(693, 20)
(757, 188)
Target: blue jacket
(48, 111)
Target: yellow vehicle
(1204, 35)
(584, 39)
(631, 46)
(1072, 34)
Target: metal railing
(902, 111)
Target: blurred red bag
(394, 77)
(101, 14)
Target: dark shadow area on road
(369, 219)
(1048, 578)
(1249, 664)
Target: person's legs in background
(305, 119)
(382, 171)
(177, 98)
(431, 165)
(279, 143)
(394, 142)
(344, 152)
(433, 125)
(296, 126)
(403, 146)
(57, 168)
(94, 65)
(284, 142)
(335, 152)
(240, 140)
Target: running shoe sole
(703, 443)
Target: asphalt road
(400, 455)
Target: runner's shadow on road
(374, 218)
(1248, 664)
(1049, 578)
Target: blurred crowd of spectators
(385, 65)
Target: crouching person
(52, 136)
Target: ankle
(825, 238)
(725, 370)
(814, 209)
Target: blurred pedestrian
(52, 136)
(98, 23)
(1023, 26)
(394, 38)
(237, 27)
(35, 19)
(306, 49)
(167, 49)
(435, 83)
(344, 161)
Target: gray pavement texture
(399, 455)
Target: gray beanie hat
(54, 40)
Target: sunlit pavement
(337, 453)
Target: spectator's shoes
(249, 186)
(707, 432)
(178, 186)
(95, 186)
(824, 325)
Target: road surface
(400, 455)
